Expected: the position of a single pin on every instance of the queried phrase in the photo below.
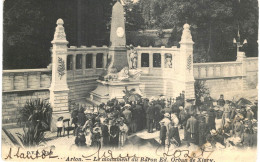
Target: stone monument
(119, 75)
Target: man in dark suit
(157, 115)
(150, 117)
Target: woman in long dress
(123, 133)
(114, 135)
(88, 136)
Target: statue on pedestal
(168, 61)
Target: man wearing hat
(192, 129)
(189, 106)
(221, 101)
(238, 127)
(81, 117)
(157, 115)
(211, 119)
(249, 113)
(203, 131)
(208, 101)
(182, 116)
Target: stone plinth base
(55, 116)
(113, 89)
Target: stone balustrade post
(186, 62)
(11, 76)
(74, 62)
(59, 89)
(83, 64)
(25, 80)
(150, 60)
(94, 61)
(38, 76)
(104, 60)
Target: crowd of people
(110, 124)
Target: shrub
(35, 111)
(200, 91)
(32, 136)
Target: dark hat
(60, 118)
(190, 100)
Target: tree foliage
(214, 24)
(29, 27)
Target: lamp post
(238, 44)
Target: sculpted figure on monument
(125, 74)
(132, 57)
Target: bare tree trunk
(209, 46)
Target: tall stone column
(186, 63)
(59, 89)
(117, 50)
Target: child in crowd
(59, 126)
(163, 133)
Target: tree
(133, 15)
(214, 24)
(29, 27)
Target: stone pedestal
(114, 89)
(118, 58)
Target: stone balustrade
(156, 57)
(86, 61)
(217, 70)
(26, 80)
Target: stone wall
(81, 82)
(251, 80)
(228, 78)
(20, 86)
(12, 102)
